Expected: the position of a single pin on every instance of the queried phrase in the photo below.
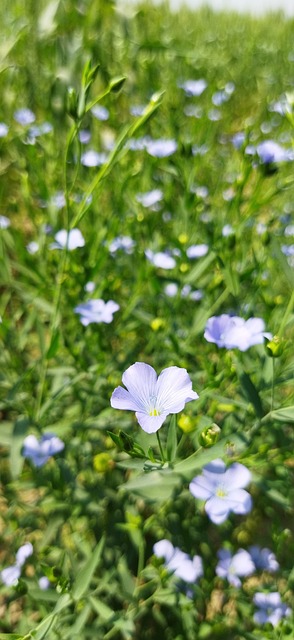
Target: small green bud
(72, 103)
(275, 347)
(116, 84)
(209, 436)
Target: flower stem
(160, 447)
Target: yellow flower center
(220, 493)
(153, 412)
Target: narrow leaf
(171, 443)
(85, 575)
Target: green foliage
(94, 511)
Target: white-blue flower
(161, 148)
(178, 562)
(39, 451)
(223, 489)
(96, 311)
(153, 398)
(160, 259)
(233, 332)
(234, 567)
(71, 239)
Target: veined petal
(140, 380)
(217, 509)
(164, 549)
(201, 488)
(150, 424)
(237, 476)
(174, 389)
(239, 501)
(122, 399)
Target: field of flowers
(147, 294)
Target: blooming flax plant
(153, 398)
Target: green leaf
(16, 459)
(47, 624)
(252, 393)
(200, 268)
(85, 575)
(172, 442)
(154, 486)
(227, 446)
(284, 414)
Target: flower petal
(237, 476)
(140, 380)
(217, 509)
(163, 549)
(201, 488)
(239, 501)
(174, 389)
(122, 399)
(150, 424)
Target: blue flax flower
(153, 398)
(39, 451)
(161, 148)
(270, 608)
(96, 311)
(178, 562)
(71, 239)
(223, 489)
(234, 567)
(233, 332)
(264, 559)
(10, 575)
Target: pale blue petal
(164, 549)
(239, 501)
(140, 380)
(174, 389)
(237, 476)
(150, 424)
(10, 575)
(122, 399)
(217, 509)
(201, 488)
(23, 553)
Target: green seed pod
(72, 103)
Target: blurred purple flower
(99, 112)
(24, 552)
(24, 116)
(125, 243)
(153, 398)
(161, 148)
(32, 247)
(137, 110)
(72, 239)
(193, 87)
(238, 139)
(96, 311)
(39, 451)
(4, 222)
(233, 332)
(149, 198)
(3, 129)
(92, 158)
(160, 259)
(271, 608)
(270, 151)
(197, 251)
(84, 136)
(223, 489)
(44, 583)
(234, 567)
(264, 559)
(10, 575)
(178, 562)
(90, 286)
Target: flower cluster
(96, 311)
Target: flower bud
(209, 436)
(72, 102)
(275, 347)
(116, 84)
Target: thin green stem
(273, 385)
(160, 447)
